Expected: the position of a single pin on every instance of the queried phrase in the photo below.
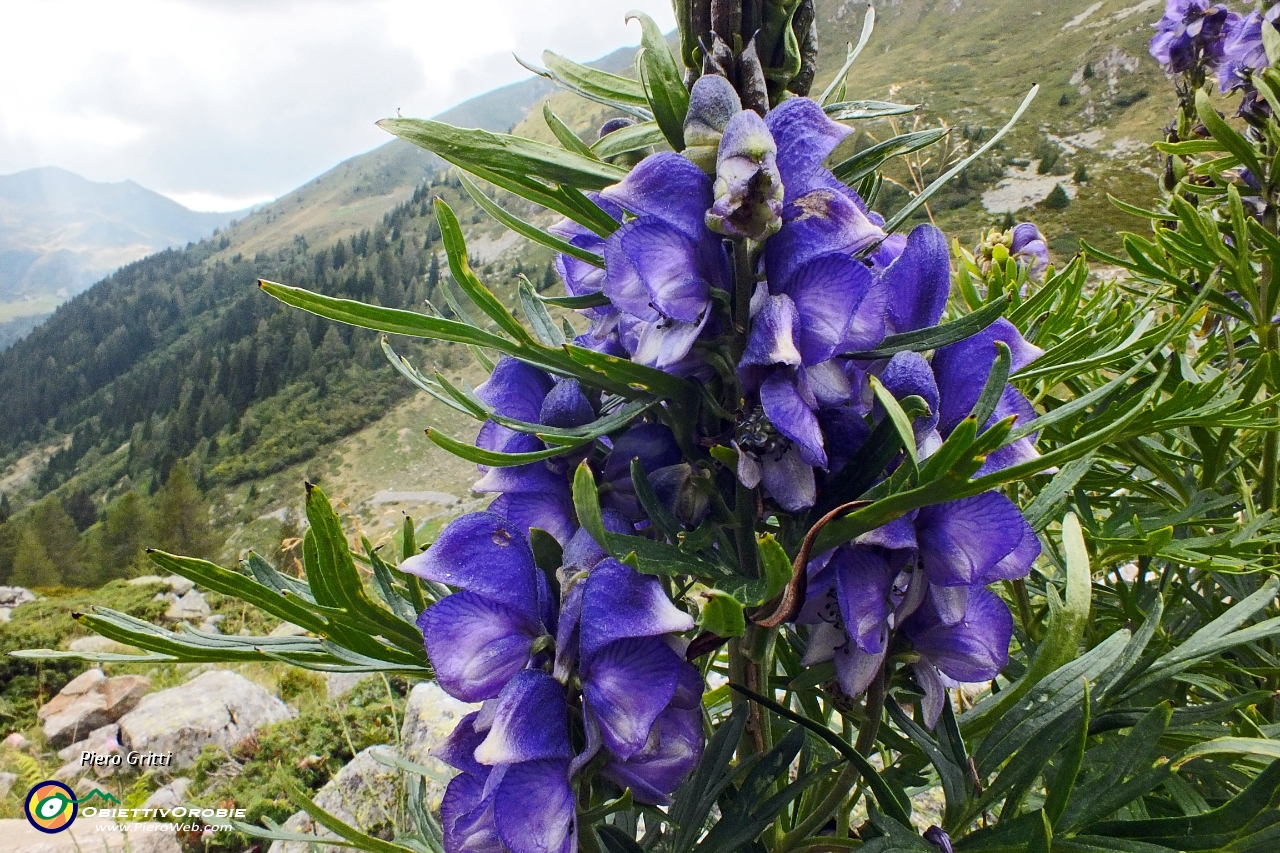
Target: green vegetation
(67, 542)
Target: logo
(51, 807)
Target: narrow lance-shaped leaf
(504, 153)
(663, 82)
(524, 229)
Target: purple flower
(661, 266)
(1243, 50)
(513, 791)
(583, 279)
(500, 638)
(480, 637)
(534, 495)
(748, 186)
(1191, 32)
(713, 102)
(1029, 248)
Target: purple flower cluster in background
(1198, 34)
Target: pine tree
(125, 532)
(181, 518)
(31, 565)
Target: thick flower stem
(867, 733)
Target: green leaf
(711, 776)
(934, 337)
(663, 83)
(897, 807)
(365, 842)
(653, 508)
(1226, 134)
(928, 192)
(627, 139)
(775, 566)
(869, 160)
(1259, 747)
(502, 152)
(576, 303)
(586, 503)
(836, 88)
(858, 110)
(637, 376)
(599, 86)
(494, 458)
(722, 615)
(1061, 643)
(524, 229)
(1064, 780)
(455, 246)
(544, 328)
(564, 134)
(993, 389)
(899, 419)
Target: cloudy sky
(223, 103)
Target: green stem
(849, 776)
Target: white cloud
(227, 102)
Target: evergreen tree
(124, 533)
(180, 519)
(79, 505)
(32, 567)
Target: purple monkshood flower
(661, 267)
(1243, 49)
(537, 494)
(1029, 248)
(583, 279)
(748, 187)
(1191, 32)
(501, 640)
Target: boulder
(179, 584)
(145, 579)
(90, 701)
(13, 596)
(339, 684)
(189, 607)
(7, 781)
(103, 740)
(170, 796)
(362, 794)
(217, 707)
(84, 836)
(430, 715)
(17, 740)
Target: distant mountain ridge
(60, 232)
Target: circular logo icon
(51, 807)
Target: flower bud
(748, 187)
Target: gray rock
(90, 701)
(339, 684)
(170, 796)
(430, 715)
(190, 607)
(362, 794)
(7, 781)
(179, 584)
(6, 613)
(12, 596)
(218, 707)
(287, 629)
(105, 739)
(145, 579)
(17, 740)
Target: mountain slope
(60, 232)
